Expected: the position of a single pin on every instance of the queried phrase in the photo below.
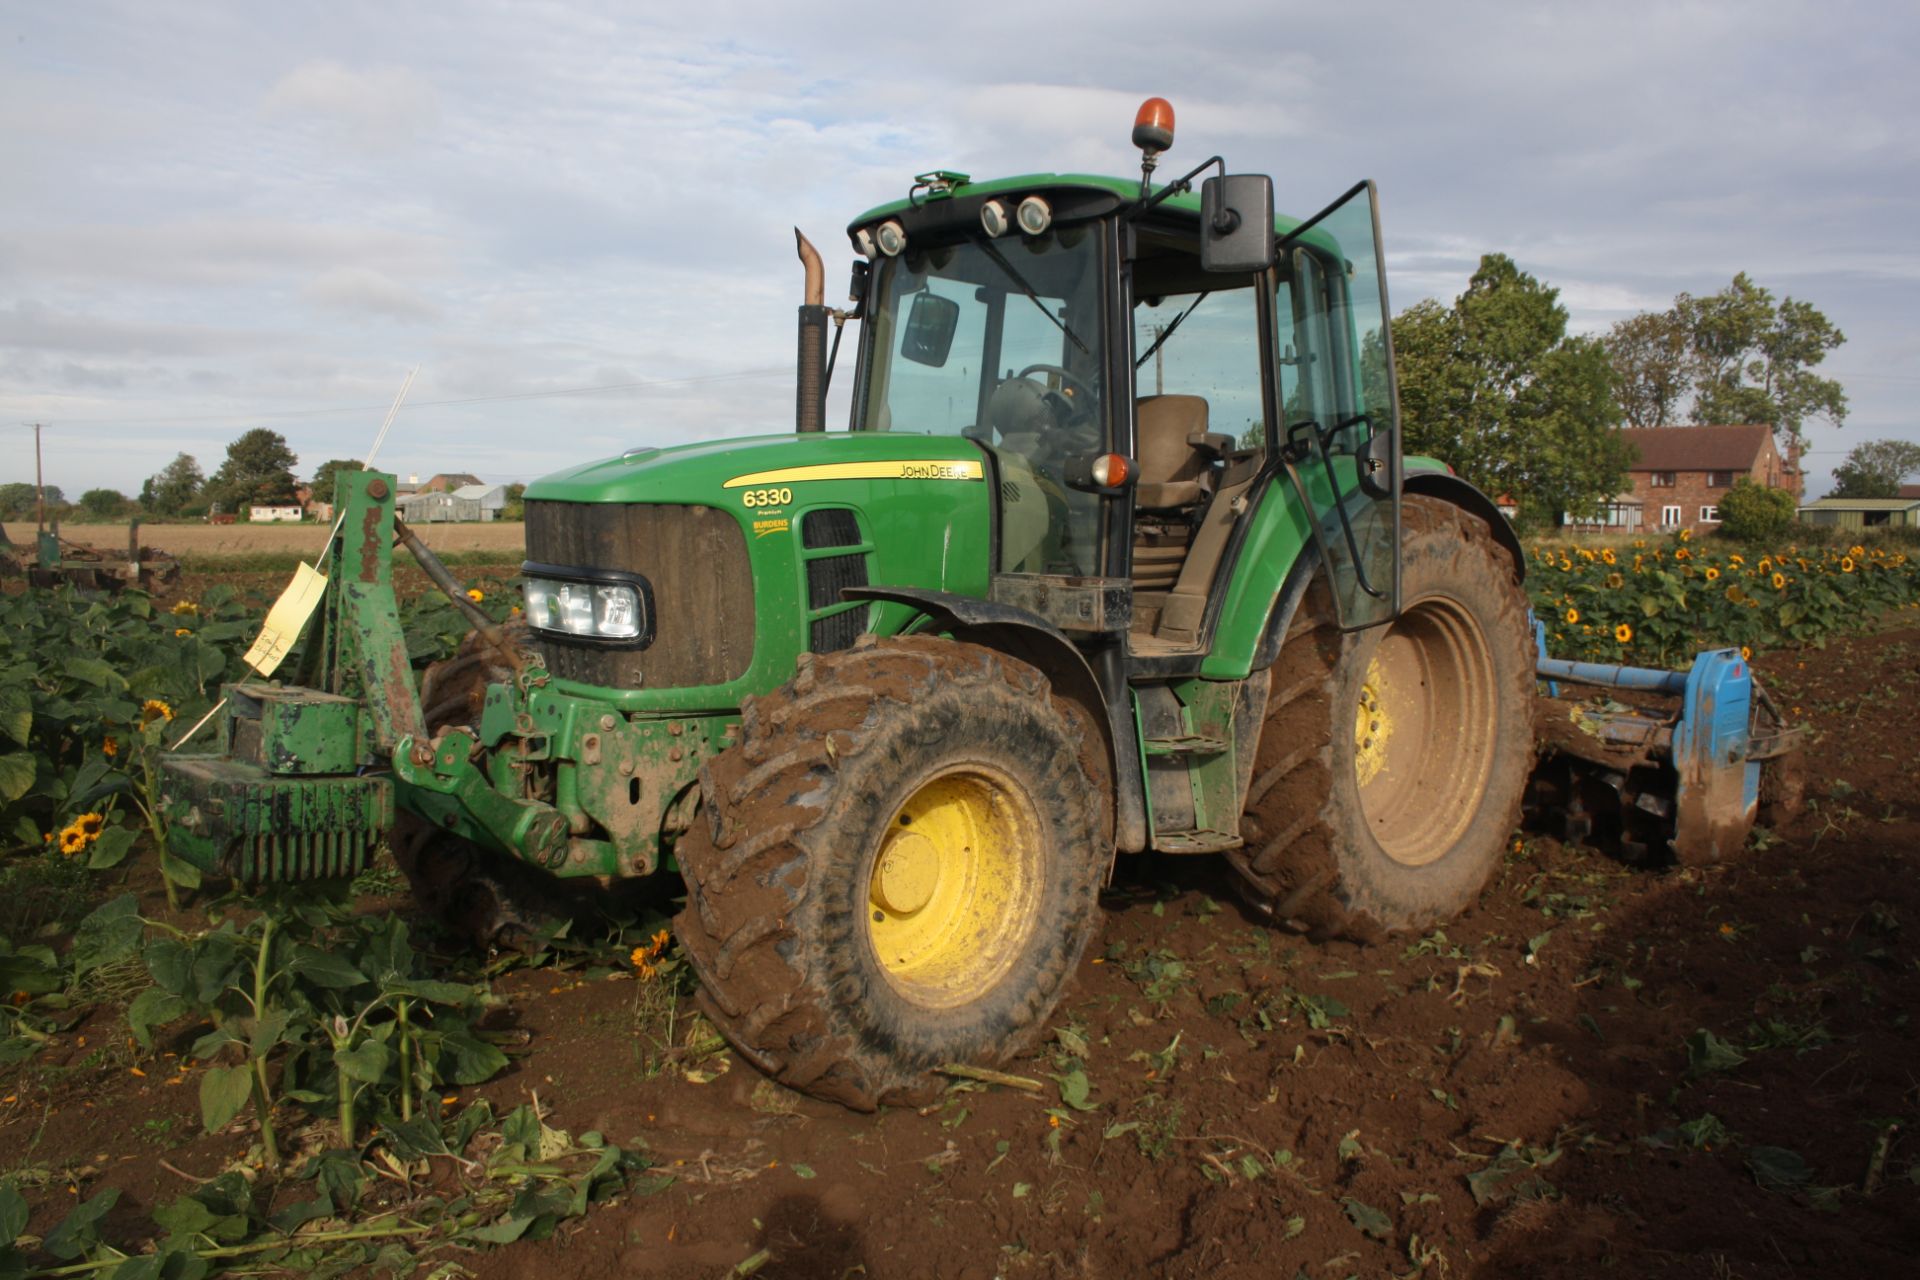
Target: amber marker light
(1110, 470)
(1153, 126)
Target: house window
(1719, 480)
(1669, 517)
(1661, 480)
(1709, 515)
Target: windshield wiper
(1032, 297)
(1168, 332)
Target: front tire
(1392, 765)
(898, 868)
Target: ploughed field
(1596, 1069)
(197, 540)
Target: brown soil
(1231, 1135)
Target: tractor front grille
(826, 575)
(695, 558)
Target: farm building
(1680, 474)
(1864, 513)
(266, 515)
(464, 505)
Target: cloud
(364, 291)
(378, 106)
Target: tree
(176, 486)
(1876, 469)
(1649, 355)
(1753, 512)
(1495, 387)
(516, 508)
(103, 504)
(1734, 356)
(324, 477)
(17, 501)
(259, 468)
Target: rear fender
(1027, 636)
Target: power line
(738, 375)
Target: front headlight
(588, 604)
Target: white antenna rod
(393, 411)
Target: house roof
(1727, 448)
(1861, 504)
(1910, 490)
(478, 490)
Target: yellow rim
(1371, 727)
(1425, 731)
(952, 894)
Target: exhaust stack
(810, 407)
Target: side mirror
(1236, 223)
(930, 325)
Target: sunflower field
(1657, 602)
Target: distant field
(197, 540)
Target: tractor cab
(1160, 381)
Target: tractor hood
(727, 472)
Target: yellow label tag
(761, 528)
(286, 620)
(928, 469)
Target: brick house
(1680, 474)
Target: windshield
(999, 340)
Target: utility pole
(39, 484)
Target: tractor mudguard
(1448, 487)
(1027, 636)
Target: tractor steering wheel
(1070, 378)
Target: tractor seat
(1175, 455)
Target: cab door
(1338, 412)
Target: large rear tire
(898, 868)
(1392, 764)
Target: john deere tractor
(1118, 553)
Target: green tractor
(1118, 553)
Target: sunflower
(1856, 550)
(1765, 565)
(72, 842)
(90, 825)
(1683, 554)
(476, 595)
(1779, 582)
(1615, 582)
(1846, 564)
(1712, 573)
(154, 709)
(109, 748)
(1686, 535)
(185, 608)
(1608, 555)
(1736, 558)
(1746, 653)
(1623, 633)
(1573, 616)
(181, 631)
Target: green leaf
(152, 1008)
(325, 969)
(366, 1062)
(93, 671)
(803, 1171)
(1778, 1169)
(504, 1231)
(17, 771)
(16, 713)
(223, 1091)
(1075, 1088)
(1368, 1219)
(13, 1215)
(111, 849)
(109, 935)
(1707, 1053)
(170, 964)
(79, 1231)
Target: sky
(576, 219)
